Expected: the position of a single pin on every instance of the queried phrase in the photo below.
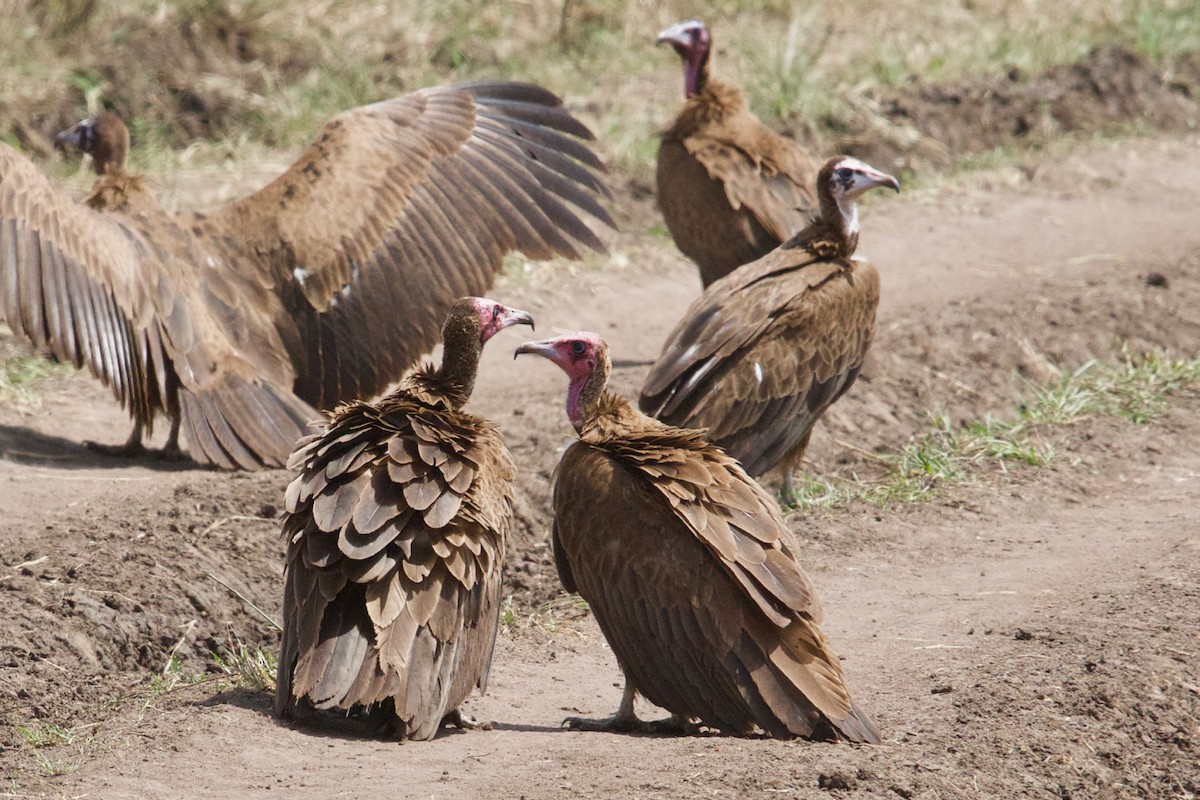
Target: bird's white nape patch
(849, 210)
(301, 274)
(758, 373)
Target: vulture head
(104, 137)
(692, 42)
(841, 181)
(584, 357)
(470, 322)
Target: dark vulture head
(470, 322)
(692, 42)
(584, 357)
(104, 137)
(841, 181)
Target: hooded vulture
(690, 571)
(729, 187)
(396, 527)
(761, 355)
(324, 286)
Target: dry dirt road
(1034, 634)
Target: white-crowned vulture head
(842, 180)
(692, 42)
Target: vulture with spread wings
(760, 356)
(730, 188)
(325, 285)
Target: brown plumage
(729, 187)
(761, 355)
(321, 287)
(690, 571)
(396, 527)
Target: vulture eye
(845, 174)
(495, 312)
(578, 348)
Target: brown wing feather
(149, 316)
(763, 352)
(694, 625)
(401, 207)
(405, 605)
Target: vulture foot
(630, 723)
(133, 447)
(465, 721)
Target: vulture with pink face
(396, 526)
(324, 286)
(690, 571)
(730, 188)
(761, 355)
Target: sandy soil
(1031, 635)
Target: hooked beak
(877, 178)
(515, 316)
(544, 348)
(72, 136)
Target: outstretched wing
(126, 297)
(403, 206)
(69, 283)
(762, 353)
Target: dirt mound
(188, 71)
(1112, 90)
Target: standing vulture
(764, 351)
(690, 571)
(324, 286)
(729, 187)
(396, 526)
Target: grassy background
(232, 77)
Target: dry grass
(253, 73)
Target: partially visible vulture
(761, 355)
(730, 188)
(324, 286)
(690, 571)
(396, 526)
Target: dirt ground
(1032, 635)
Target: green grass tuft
(1138, 388)
(20, 376)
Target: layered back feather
(397, 523)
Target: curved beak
(72, 136)
(878, 178)
(544, 348)
(515, 316)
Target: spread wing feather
(403, 206)
(411, 555)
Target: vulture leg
(171, 448)
(626, 721)
(464, 721)
(133, 445)
(790, 463)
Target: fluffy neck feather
(461, 350)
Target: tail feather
(244, 425)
